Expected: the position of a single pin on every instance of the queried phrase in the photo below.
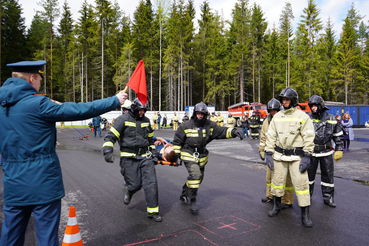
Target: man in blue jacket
(32, 175)
(96, 121)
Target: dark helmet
(229, 115)
(289, 93)
(317, 100)
(200, 108)
(273, 104)
(137, 105)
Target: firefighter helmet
(137, 105)
(291, 94)
(274, 104)
(317, 100)
(126, 105)
(200, 108)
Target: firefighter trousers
(300, 181)
(194, 179)
(288, 194)
(140, 173)
(327, 172)
(254, 132)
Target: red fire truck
(304, 107)
(240, 109)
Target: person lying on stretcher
(167, 156)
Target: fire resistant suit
(190, 142)
(231, 122)
(137, 155)
(175, 120)
(254, 126)
(326, 129)
(290, 129)
(288, 195)
(220, 119)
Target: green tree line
(220, 62)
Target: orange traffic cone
(72, 237)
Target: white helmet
(126, 105)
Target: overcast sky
(335, 9)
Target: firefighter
(255, 125)
(273, 107)
(175, 121)
(231, 122)
(138, 155)
(213, 117)
(185, 118)
(289, 145)
(155, 121)
(190, 142)
(326, 129)
(220, 119)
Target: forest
(220, 62)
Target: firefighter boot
(276, 206)
(266, 199)
(311, 189)
(306, 221)
(155, 217)
(127, 197)
(193, 207)
(330, 202)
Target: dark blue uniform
(32, 174)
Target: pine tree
(65, 30)
(51, 13)
(241, 18)
(258, 28)
(13, 36)
(201, 42)
(285, 34)
(312, 23)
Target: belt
(198, 149)
(320, 147)
(137, 151)
(295, 151)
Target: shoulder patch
(59, 103)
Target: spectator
(96, 121)
(159, 119)
(165, 120)
(347, 124)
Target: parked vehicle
(246, 108)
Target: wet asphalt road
(229, 199)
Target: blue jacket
(32, 173)
(347, 126)
(96, 121)
(161, 146)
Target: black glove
(236, 133)
(305, 162)
(154, 155)
(262, 155)
(269, 160)
(109, 157)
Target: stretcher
(81, 135)
(162, 162)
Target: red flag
(137, 82)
